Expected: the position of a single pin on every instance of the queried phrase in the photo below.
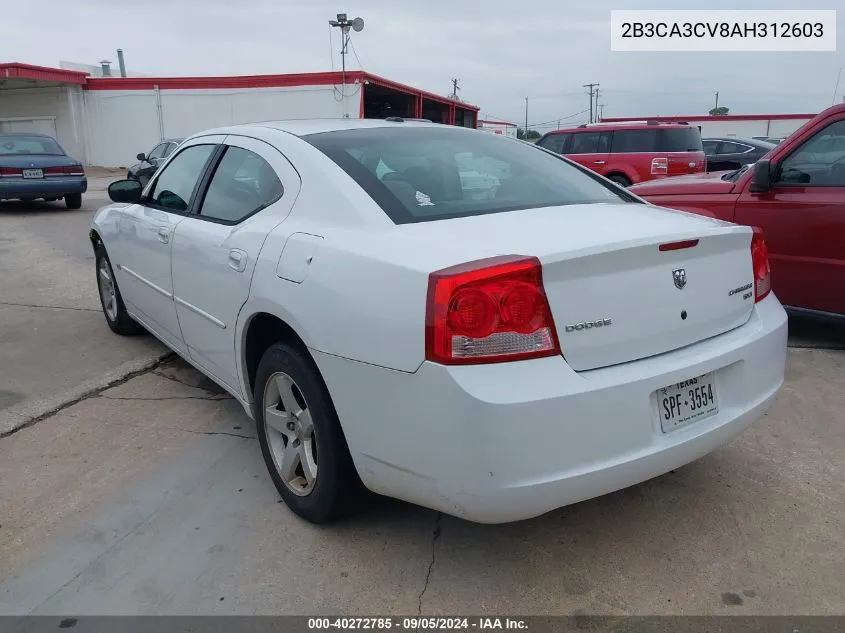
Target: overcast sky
(500, 50)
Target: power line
(559, 118)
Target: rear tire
(620, 180)
(301, 439)
(73, 200)
(114, 310)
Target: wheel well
(618, 173)
(265, 329)
(95, 239)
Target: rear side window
(659, 139)
(590, 143)
(418, 174)
(243, 184)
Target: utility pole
(592, 92)
(601, 111)
(717, 100)
(836, 87)
(526, 118)
(455, 88)
(344, 24)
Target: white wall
(747, 129)
(121, 123)
(63, 102)
(504, 130)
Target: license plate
(687, 401)
(33, 173)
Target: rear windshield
(418, 174)
(657, 140)
(29, 145)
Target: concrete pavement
(143, 491)
(56, 346)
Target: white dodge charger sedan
(442, 315)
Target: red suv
(629, 153)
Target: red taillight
(11, 171)
(489, 311)
(659, 166)
(760, 264)
(68, 170)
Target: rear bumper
(17, 188)
(511, 441)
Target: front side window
(425, 173)
(20, 144)
(555, 142)
(168, 150)
(175, 185)
(819, 161)
(243, 184)
(157, 151)
(710, 147)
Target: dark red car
(796, 194)
(628, 153)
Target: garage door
(40, 125)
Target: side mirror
(142, 157)
(761, 179)
(125, 191)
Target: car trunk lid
(614, 294)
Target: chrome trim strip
(146, 282)
(202, 313)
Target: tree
(719, 111)
(532, 134)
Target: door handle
(237, 260)
(599, 162)
(163, 234)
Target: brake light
(489, 311)
(760, 264)
(67, 170)
(677, 246)
(11, 171)
(659, 166)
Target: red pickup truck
(796, 194)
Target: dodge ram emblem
(680, 277)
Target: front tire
(620, 180)
(114, 310)
(73, 201)
(301, 439)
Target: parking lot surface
(130, 484)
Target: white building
(497, 127)
(739, 125)
(106, 121)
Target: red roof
(263, 81)
(41, 73)
(709, 117)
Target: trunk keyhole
(683, 314)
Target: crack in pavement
(434, 538)
(183, 383)
(87, 395)
(36, 305)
